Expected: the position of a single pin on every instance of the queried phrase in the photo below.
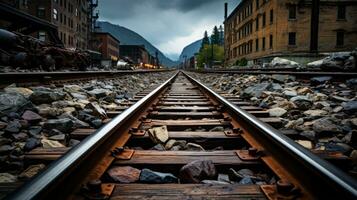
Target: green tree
(205, 55)
(205, 40)
(215, 36)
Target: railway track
(216, 142)
(40, 78)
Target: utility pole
(212, 55)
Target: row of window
(246, 48)
(341, 12)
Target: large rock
(281, 62)
(125, 174)
(335, 62)
(20, 90)
(31, 143)
(31, 117)
(13, 102)
(196, 171)
(302, 102)
(99, 93)
(315, 113)
(350, 107)
(46, 95)
(13, 127)
(72, 88)
(64, 125)
(256, 90)
(149, 176)
(277, 112)
(282, 78)
(325, 125)
(159, 134)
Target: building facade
(258, 30)
(107, 45)
(137, 53)
(74, 19)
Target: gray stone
(193, 147)
(35, 131)
(13, 127)
(4, 149)
(98, 93)
(31, 143)
(302, 102)
(169, 144)
(31, 117)
(282, 78)
(64, 125)
(350, 107)
(97, 110)
(217, 129)
(20, 136)
(158, 147)
(124, 174)
(352, 82)
(277, 112)
(13, 102)
(256, 90)
(213, 182)
(81, 96)
(196, 171)
(20, 90)
(149, 176)
(96, 123)
(46, 96)
(325, 125)
(320, 79)
(59, 137)
(246, 181)
(281, 62)
(315, 113)
(73, 142)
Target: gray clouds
(170, 25)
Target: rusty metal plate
(125, 155)
(272, 194)
(231, 134)
(244, 155)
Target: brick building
(74, 19)
(107, 45)
(258, 30)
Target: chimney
(225, 11)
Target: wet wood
(185, 108)
(186, 191)
(170, 115)
(203, 122)
(205, 103)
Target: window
(257, 23)
(41, 12)
(257, 4)
(292, 38)
(341, 12)
(42, 36)
(340, 38)
(264, 20)
(263, 44)
(292, 11)
(55, 14)
(271, 16)
(256, 44)
(64, 19)
(271, 41)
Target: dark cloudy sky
(170, 25)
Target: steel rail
(35, 188)
(328, 174)
(302, 74)
(45, 77)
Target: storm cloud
(170, 25)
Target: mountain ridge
(130, 37)
(190, 50)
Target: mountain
(190, 50)
(129, 37)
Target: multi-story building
(74, 19)
(137, 53)
(258, 30)
(107, 45)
